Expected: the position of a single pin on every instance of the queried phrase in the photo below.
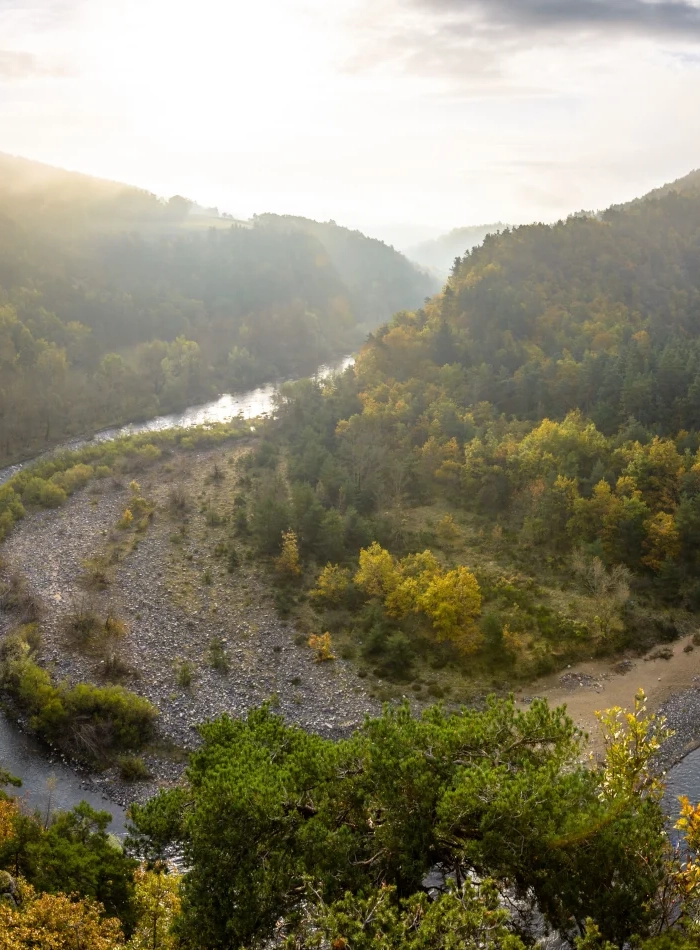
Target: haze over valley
(350, 475)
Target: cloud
(477, 43)
(678, 18)
(17, 65)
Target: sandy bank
(672, 686)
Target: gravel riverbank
(172, 615)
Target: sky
(404, 118)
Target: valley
(414, 618)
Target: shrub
(10, 501)
(73, 478)
(663, 653)
(232, 559)
(332, 584)
(113, 669)
(32, 489)
(213, 518)
(6, 523)
(16, 598)
(96, 574)
(178, 499)
(218, 658)
(288, 563)
(321, 644)
(126, 520)
(113, 627)
(132, 768)
(52, 496)
(240, 523)
(216, 475)
(92, 720)
(82, 624)
(185, 675)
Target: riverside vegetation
(506, 481)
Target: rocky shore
(682, 714)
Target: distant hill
(53, 200)
(381, 280)
(439, 254)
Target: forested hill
(115, 303)
(374, 273)
(598, 314)
(687, 185)
(537, 423)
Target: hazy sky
(436, 113)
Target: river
(47, 783)
(250, 405)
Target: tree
(73, 854)
(269, 811)
(56, 922)
(157, 899)
(332, 585)
(464, 918)
(377, 574)
(452, 601)
(288, 563)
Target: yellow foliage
(447, 530)
(453, 602)
(512, 641)
(56, 922)
(688, 872)
(8, 812)
(126, 520)
(663, 541)
(417, 584)
(332, 584)
(289, 562)
(631, 740)
(323, 647)
(157, 904)
(377, 574)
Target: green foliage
(88, 721)
(185, 675)
(71, 852)
(464, 918)
(497, 793)
(133, 769)
(218, 657)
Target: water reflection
(249, 405)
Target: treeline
(113, 305)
